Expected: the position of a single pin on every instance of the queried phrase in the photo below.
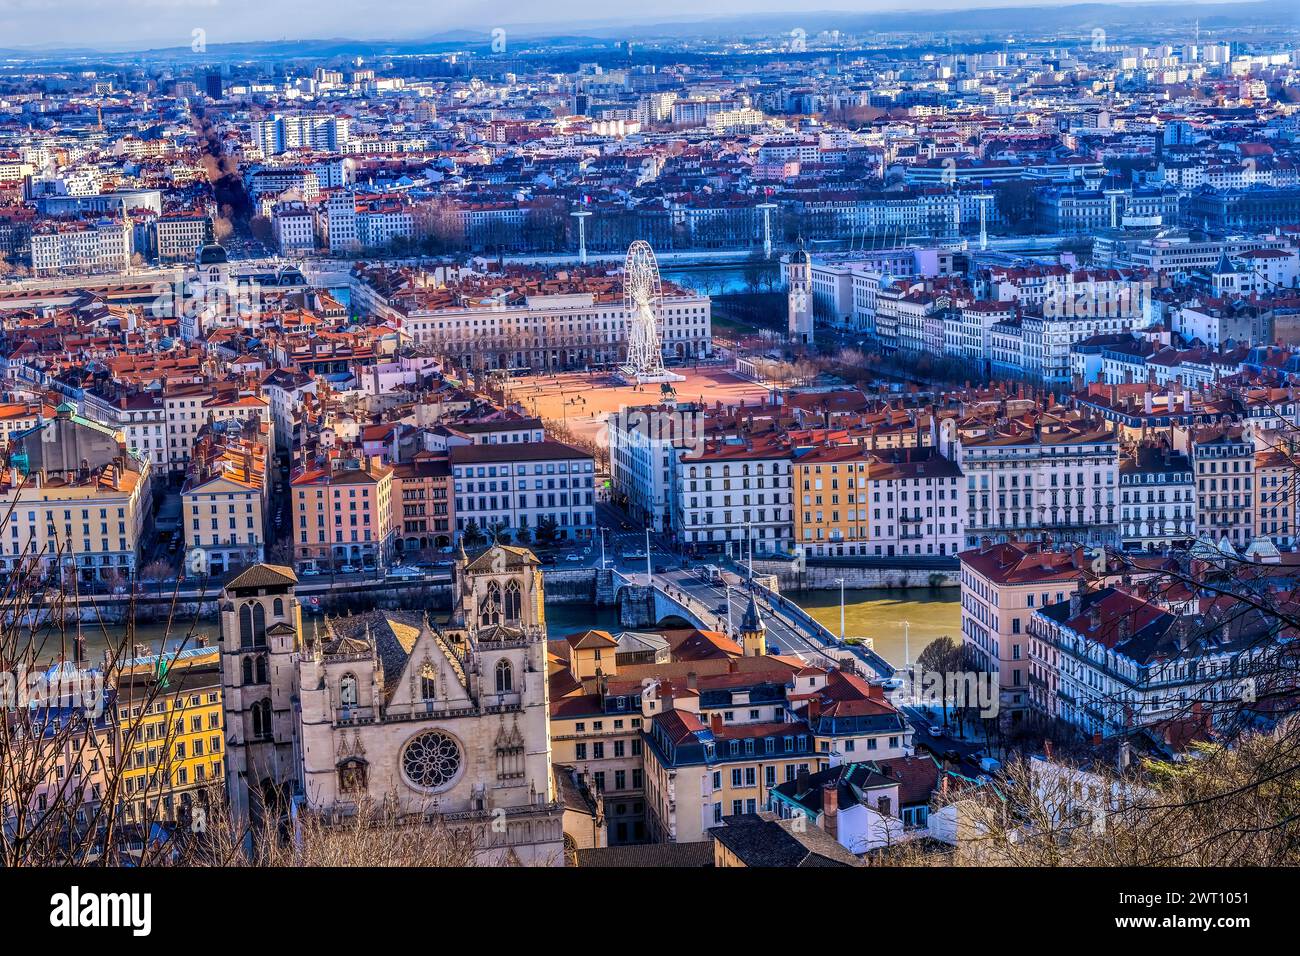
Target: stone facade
(450, 720)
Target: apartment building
(423, 505)
(342, 513)
(60, 247)
(18, 417)
(79, 500)
(1226, 502)
(1114, 660)
(1047, 470)
(1157, 498)
(142, 418)
(915, 503)
(1002, 585)
(294, 227)
(1278, 494)
(225, 497)
(316, 131)
(178, 238)
(831, 487)
(644, 445)
(598, 733)
(696, 773)
(735, 495)
(188, 408)
(523, 488)
(169, 736)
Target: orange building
(422, 504)
(343, 513)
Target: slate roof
(762, 840)
(264, 576)
(699, 854)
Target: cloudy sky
(140, 24)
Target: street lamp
(749, 534)
(840, 582)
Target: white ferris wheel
(643, 304)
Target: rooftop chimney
(831, 809)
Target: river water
(881, 615)
(878, 614)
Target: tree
(473, 535)
(261, 229)
(548, 530)
(939, 661)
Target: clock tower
(799, 298)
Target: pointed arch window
(514, 602)
(505, 677)
(252, 625)
(262, 719)
(490, 609)
(348, 690)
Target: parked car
(349, 569)
(573, 557)
(309, 572)
(936, 730)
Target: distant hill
(1028, 21)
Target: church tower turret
(753, 632)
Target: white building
(1060, 475)
(317, 131)
(735, 494)
(103, 246)
(644, 444)
(519, 487)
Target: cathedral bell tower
(261, 640)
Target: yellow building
(76, 497)
(830, 511)
(1275, 516)
(697, 773)
(169, 733)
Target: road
(943, 745)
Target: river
(878, 614)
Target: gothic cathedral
(386, 705)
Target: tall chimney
(831, 809)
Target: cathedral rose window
(431, 760)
